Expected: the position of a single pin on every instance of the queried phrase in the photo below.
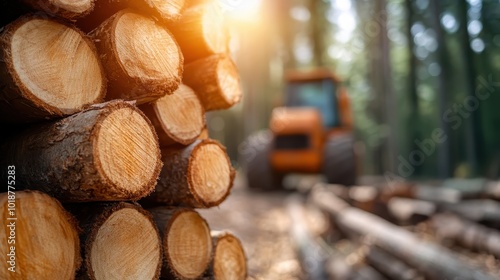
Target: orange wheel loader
(311, 134)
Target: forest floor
(261, 221)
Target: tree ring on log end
(210, 173)
(126, 246)
(127, 151)
(186, 120)
(188, 244)
(53, 63)
(74, 6)
(229, 260)
(214, 29)
(46, 244)
(229, 81)
(146, 50)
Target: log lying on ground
(229, 260)
(39, 239)
(120, 241)
(468, 234)
(142, 65)
(201, 31)
(215, 80)
(165, 11)
(48, 69)
(187, 245)
(435, 261)
(107, 152)
(177, 118)
(411, 211)
(199, 175)
(391, 266)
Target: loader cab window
(317, 93)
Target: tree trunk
(468, 234)
(215, 80)
(143, 65)
(201, 32)
(164, 11)
(177, 118)
(105, 153)
(60, 8)
(229, 261)
(187, 245)
(119, 241)
(39, 239)
(48, 69)
(199, 175)
(432, 259)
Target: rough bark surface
(59, 158)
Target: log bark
(163, 11)
(470, 235)
(187, 245)
(143, 65)
(201, 31)
(108, 152)
(48, 69)
(120, 241)
(215, 80)
(229, 260)
(62, 8)
(199, 175)
(391, 266)
(40, 238)
(433, 260)
(310, 254)
(177, 118)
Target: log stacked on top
(106, 102)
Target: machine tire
(254, 155)
(339, 165)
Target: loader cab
(317, 93)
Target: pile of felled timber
(105, 153)
(448, 230)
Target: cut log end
(210, 173)
(127, 244)
(168, 10)
(145, 64)
(56, 248)
(214, 29)
(215, 80)
(69, 9)
(188, 244)
(229, 81)
(127, 151)
(229, 262)
(178, 118)
(50, 63)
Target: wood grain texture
(216, 81)
(108, 152)
(187, 245)
(46, 238)
(201, 31)
(229, 260)
(177, 118)
(119, 241)
(142, 65)
(199, 175)
(48, 69)
(68, 9)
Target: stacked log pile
(108, 155)
(399, 231)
